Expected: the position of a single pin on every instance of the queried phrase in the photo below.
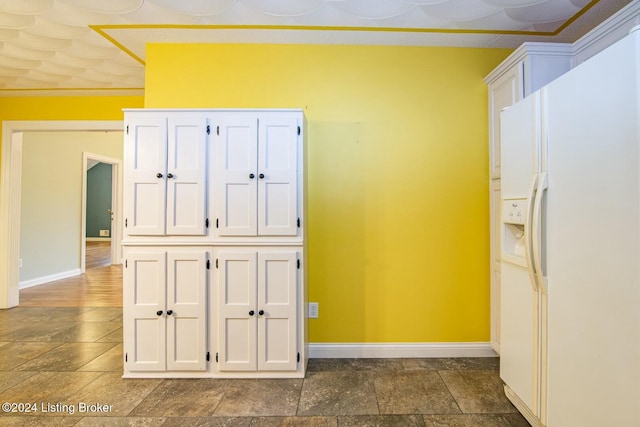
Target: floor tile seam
(99, 355)
(163, 380)
(15, 368)
(449, 391)
(300, 394)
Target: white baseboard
(98, 239)
(46, 279)
(399, 350)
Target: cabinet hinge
(217, 223)
(126, 263)
(298, 264)
(127, 129)
(208, 130)
(298, 130)
(126, 357)
(217, 130)
(208, 265)
(298, 357)
(206, 223)
(298, 222)
(216, 357)
(208, 356)
(216, 262)
(125, 222)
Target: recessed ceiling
(98, 46)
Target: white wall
(51, 200)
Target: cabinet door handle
(251, 313)
(251, 176)
(158, 175)
(261, 312)
(261, 176)
(169, 312)
(169, 175)
(159, 312)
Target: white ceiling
(98, 46)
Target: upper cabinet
(165, 175)
(526, 70)
(256, 175)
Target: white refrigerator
(570, 309)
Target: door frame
(116, 197)
(10, 190)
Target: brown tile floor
(62, 358)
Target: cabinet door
(235, 176)
(277, 297)
(143, 298)
(277, 172)
(186, 175)
(145, 166)
(237, 316)
(186, 310)
(504, 92)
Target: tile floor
(68, 362)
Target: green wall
(98, 199)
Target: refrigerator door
(593, 241)
(520, 299)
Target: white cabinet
(165, 307)
(165, 175)
(526, 70)
(259, 313)
(256, 176)
(228, 183)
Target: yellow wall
(67, 107)
(397, 167)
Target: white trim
(46, 279)
(98, 239)
(399, 350)
(10, 187)
(608, 32)
(526, 50)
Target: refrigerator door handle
(528, 235)
(543, 185)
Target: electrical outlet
(313, 310)
(20, 263)
(104, 233)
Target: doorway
(100, 206)
(10, 190)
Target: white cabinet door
(186, 310)
(257, 293)
(277, 301)
(164, 306)
(186, 175)
(277, 173)
(144, 324)
(256, 176)
(237, 314)
(145, 166)
(504, 92)
(235, 176)
(165, 184)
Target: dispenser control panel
(514, 211)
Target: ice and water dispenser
(514, 218)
